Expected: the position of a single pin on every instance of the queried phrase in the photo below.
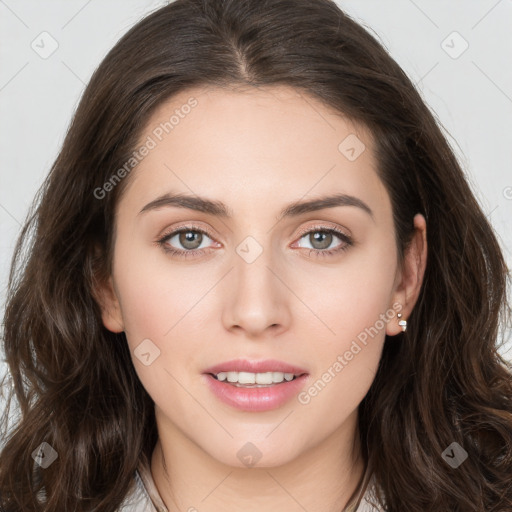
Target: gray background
(469, 89)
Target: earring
(402, 323)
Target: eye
(189, 240)
(321, 238)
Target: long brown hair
(440, 382)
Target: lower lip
(256, 399)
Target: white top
(145, 497)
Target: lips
(255, 399)
(263, 366)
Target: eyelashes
(163, 242)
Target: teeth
(254, 378)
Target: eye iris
(188, 239)
(325, 239)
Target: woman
(172, 342)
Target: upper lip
(263, 366)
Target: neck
(325, 477)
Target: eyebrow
(219, 209)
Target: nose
(257, 297)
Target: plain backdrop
(458, 53)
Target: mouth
(257, 385)
(270, 390)
(264, 372)
(255, 380)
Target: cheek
(157, 309)
(354, 304)
(351, 295)
(168, 303)
(345, 363)
(156, 292)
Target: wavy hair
(442, 381)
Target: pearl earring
(402, 323)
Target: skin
(257, 150)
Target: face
(313, 288)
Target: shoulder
(368, 502)
(137, 500)
(143, 495)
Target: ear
(410, 277)
(107, 299)
(104, 293)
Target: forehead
(252, 145)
